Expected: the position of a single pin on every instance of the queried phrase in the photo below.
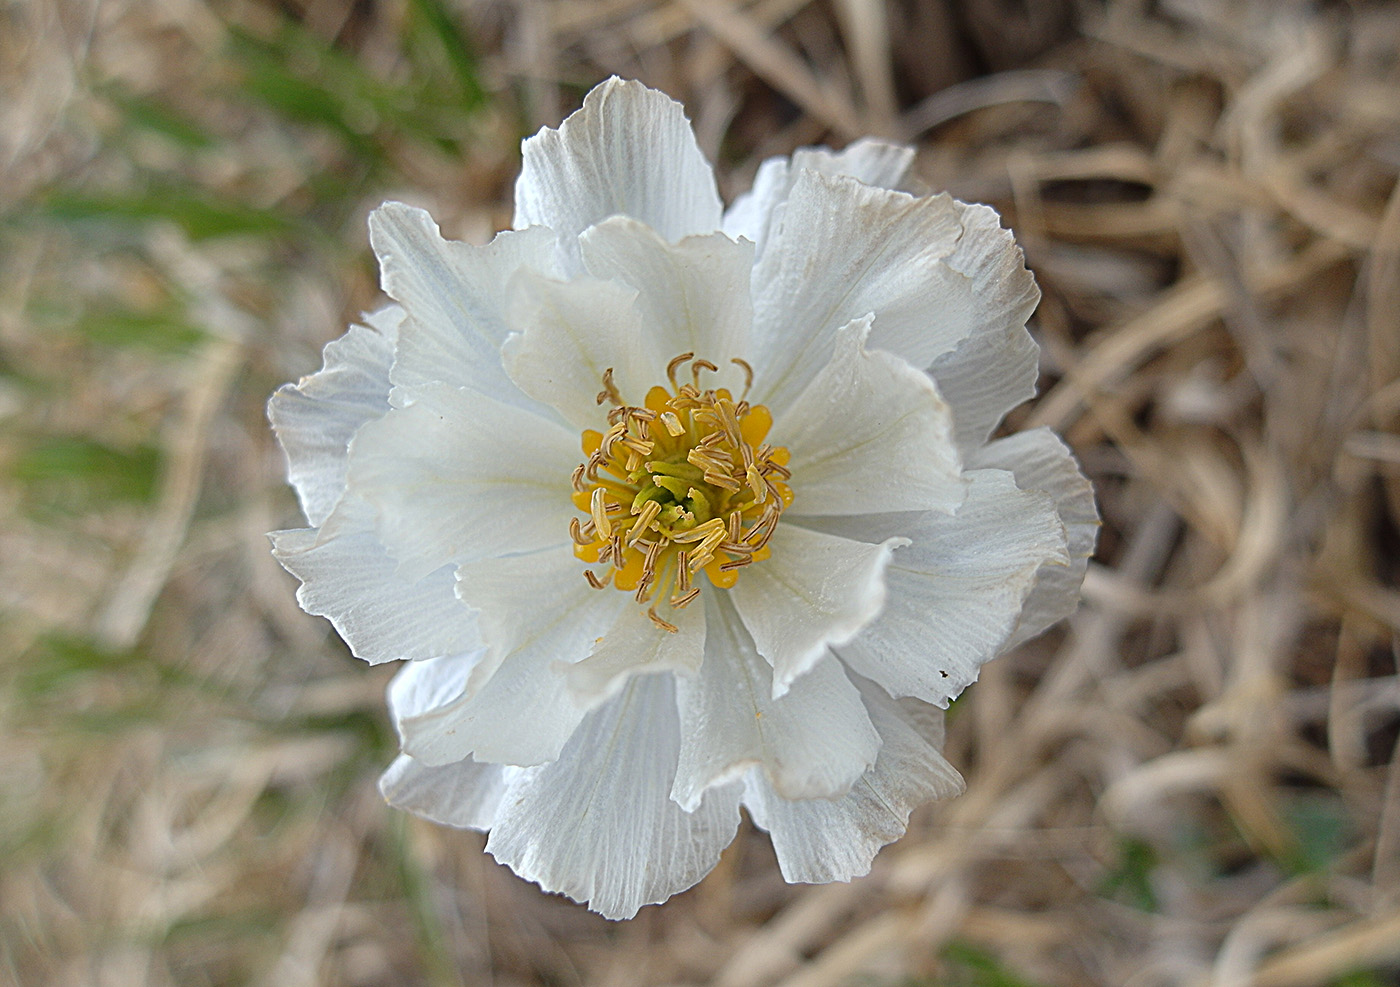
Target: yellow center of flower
(681, 486)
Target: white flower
(768, 424)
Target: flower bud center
(679, 486)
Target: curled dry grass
(1194, 782)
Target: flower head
(672, 509)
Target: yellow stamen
(679, 485)
(661, 623)
(599, 507)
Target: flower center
(677, 487)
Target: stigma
(679, 490)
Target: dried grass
(1195, 782)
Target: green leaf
(456, 47)
(140, 113)
(1130, 882)
(199, 214)
(976, 967)
(163, 332)
(76, 473)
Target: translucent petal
(450, 484)
(636, 645)
(815, 592)
(315, 418)
(693, 294)
(1042, 462)
(822, 840)
(568, 335)
(348, 577)
(598, 825)
(513, 706)
(455, 297)
(464, 794)
(956, 593)
(841, 250)
(870, 434)
(874, 162)
(814, 742)
(629, 151)
(986, 305)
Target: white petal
(315, 418)
(629, 151)
(522, 714)
(868, 160)
(986, 304)
(822, 840)
(457, 477)
(465, 794)
(636, 645)
(694, 294)
(870, 434)
(514, 705)
(455, 295)
(1042, 462)
(841, 250)
(348, 577)
(956, 593)
(568, 334)
(816, 591)
(814, 742)
(598, 825)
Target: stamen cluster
(681, 485)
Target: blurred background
(1193, 782)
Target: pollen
(680, 486)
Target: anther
(672, 423)
(756, 484)
(594, 581)
(695, 369)
(670, 628)
(748, 375)
(609, 391)
(675, 365)
(699, 532)
(685, 598)
(647, 515)
(599, 508)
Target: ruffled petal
(841, 250)
(510, 704)
(465, 794)
(598, 825)
(870, 434)
(956, 593)
(694, 294)
(637, 645)
(455, 297)
(814, 742)
(1040, 461)
(457, 477)
(315, 418)
(822, 840)
(986, 304)
(629, 151)
(348, 578)
(874, 162)
(817, 591)
(568, 334)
